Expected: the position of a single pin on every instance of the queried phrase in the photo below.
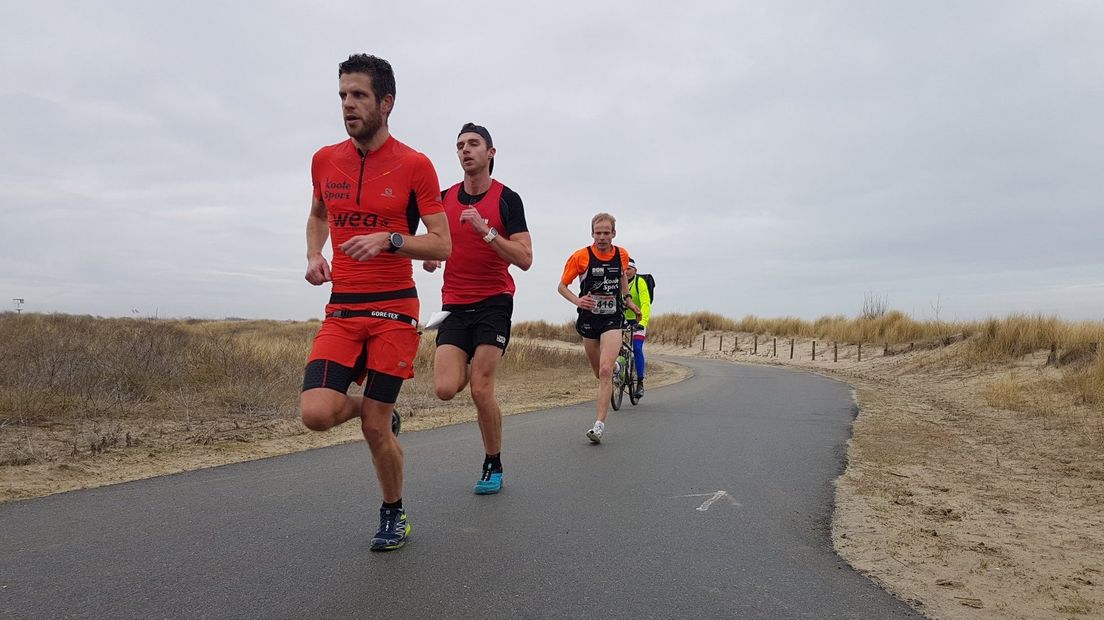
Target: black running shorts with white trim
(485, 322)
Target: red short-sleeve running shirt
(387, 190)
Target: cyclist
(601, 267)
(638, 290)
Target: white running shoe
(595, 435)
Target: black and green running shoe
(393, 532)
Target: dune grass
(63, 365)
(80, 366)
(1076, 344)
(1071, 346)
(543, 330)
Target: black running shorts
(485, 322)
(592, 326)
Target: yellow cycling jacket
(639, 291)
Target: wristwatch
(395, 242)
(490, 236)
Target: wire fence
(733, 344)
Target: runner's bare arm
(585, 302)
(435, 244)
(517, 250)
(318, 230)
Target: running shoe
(490, 482)
(595, 435)
(394, 530)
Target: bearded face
(362, 110)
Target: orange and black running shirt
(600, 276)
(387, 190)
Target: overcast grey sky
(773, 158)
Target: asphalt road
(637, 527)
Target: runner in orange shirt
(601, 300)
(370, 192)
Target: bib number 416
(605, 304)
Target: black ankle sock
(493, 462)
(393, 505)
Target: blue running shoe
(393, 532)
(489, 483)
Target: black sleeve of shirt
(512, 212)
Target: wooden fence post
(791, 348)
(774, 351)
(860, 351)
(703, 342)
(814, 350)
(720, 345)
(885, 351)
(735, 344)
(755, 347)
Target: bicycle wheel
(618, 382)
(630, 382)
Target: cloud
(778, 159)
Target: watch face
(396, 240)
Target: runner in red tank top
(370, 192)
(487, 224)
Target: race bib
(604, 304)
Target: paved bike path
(632, 528)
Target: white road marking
(714, 496)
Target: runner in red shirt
(601, 300)
(487, 224)
(370, 193)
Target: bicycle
(624, 370)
